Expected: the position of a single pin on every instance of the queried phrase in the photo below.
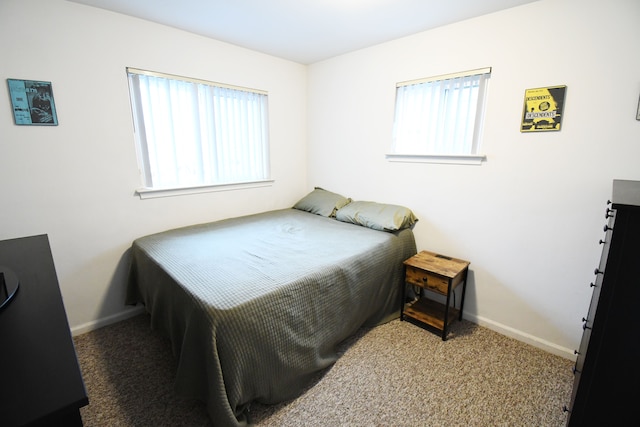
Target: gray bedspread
(254, 306)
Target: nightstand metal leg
(403, 298)
(464, 290)
(446, 312)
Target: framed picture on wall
(32, 102)
(543, 109)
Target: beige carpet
(396, 374)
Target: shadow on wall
(112, 306)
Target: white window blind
(440, 116)
(196, 133)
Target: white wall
(76, 181)
(529, 219)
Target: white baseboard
(522, 336)
(490, 324)
(99, 323)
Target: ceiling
(304, 31)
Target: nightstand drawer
(419, 277)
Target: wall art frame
(32, 102)
(543, 109)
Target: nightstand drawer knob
(425, 279)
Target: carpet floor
(396, 374)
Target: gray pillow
(379, 216)
(322, 202)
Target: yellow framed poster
(543, 108)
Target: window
(193, 133)
(440, 118)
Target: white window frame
(432, 148)
(208, 142)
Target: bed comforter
(254, 306)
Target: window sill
(153, 193)
(452, 159)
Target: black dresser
(40, 379)
(606, 389)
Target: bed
(254, 306)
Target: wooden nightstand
(440, 275)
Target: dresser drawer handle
(596, 271)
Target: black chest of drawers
(40, 379)
(607, 370)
